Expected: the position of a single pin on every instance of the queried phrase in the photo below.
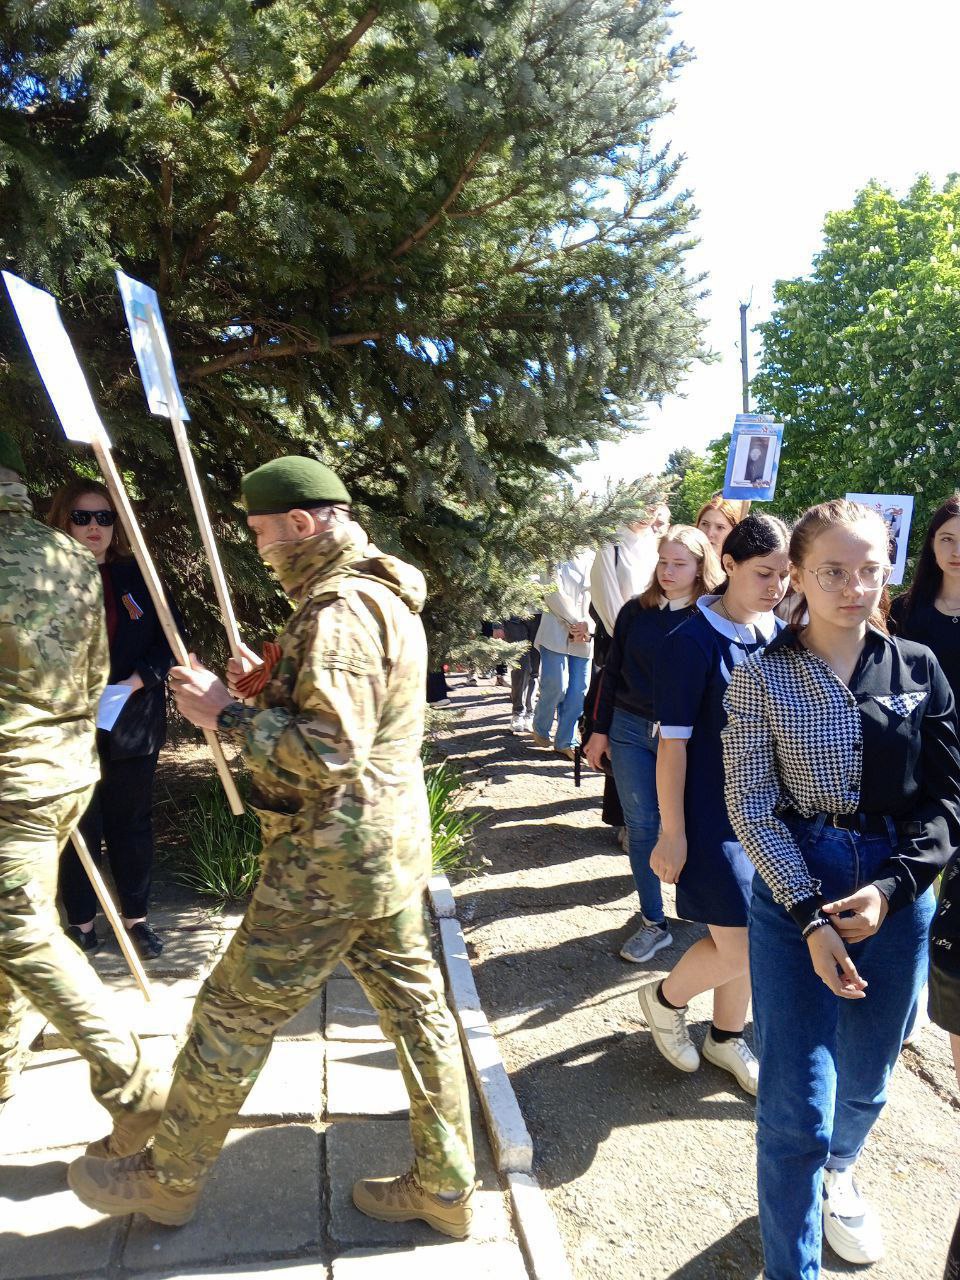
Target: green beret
(10, 455)
(286, 484)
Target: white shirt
(622, 569)
(567, 603)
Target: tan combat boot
(133, 1129)
(130, 1186)
(403, 1199)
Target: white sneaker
(850, 1226)
(669, 1029)
(527, 724)
(646, 942)
(517, 724)
(734, 1056)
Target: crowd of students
(784, 746)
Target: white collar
(673, 605)
(764, 629)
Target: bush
(220, 857)
(450, 826)
(222, 851)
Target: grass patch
(452, 828)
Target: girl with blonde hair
(624, 729)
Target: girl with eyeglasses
(842, 767)
(929, 610)
(697, 849)
(120, 813)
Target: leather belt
(868, 824)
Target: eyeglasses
(832, 578)
(103, 518)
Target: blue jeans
(563, 687)
(824, 1061)
(633, 754)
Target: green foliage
(430, 243)
(220, 858)
(452, 828)
(701, 476)
(859, 358)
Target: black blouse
(627, 679)
(798, 739)
(925, 624)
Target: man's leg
(393, 962)
(552, 672)
(39, 963)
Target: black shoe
(87, 942)
(146, 940)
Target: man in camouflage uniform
(333, 748)
(53, 667)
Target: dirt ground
(650, 1172)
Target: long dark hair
(755, 535)
(928, 578)
(65, 500)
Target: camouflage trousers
(276, 963)
(39, 965)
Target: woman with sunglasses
(843, 783)
(120, 813)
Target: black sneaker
(146, 940)
(87, 942)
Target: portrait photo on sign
(753, 459)
(896, 509)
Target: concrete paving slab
(276, 1269)
(364, 1080)
(463, 1258)
(167, 1013)
(263, 1197)
(377, 1148)
(53, 1106)
(290, 1086)
(308, 1022)
(186, 952)
(44, 1228)
(350, 1016)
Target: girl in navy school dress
(697, 850)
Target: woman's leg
(795, 1020)
(76, 891)
(711, 964)
(571, 707)
(633, 754)
(553, 668)
(127, 791)
(870, 1032)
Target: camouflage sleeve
(339, 692)
(98, 663)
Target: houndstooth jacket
(798, 739)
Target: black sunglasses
(103, 518)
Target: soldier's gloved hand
(200, 695)
(238, 667)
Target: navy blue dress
(691, 679)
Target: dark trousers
(119, 816)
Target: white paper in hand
(150, 344)
(56, 360)
(112, 701)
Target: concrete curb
(509, 1137)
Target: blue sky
(787, 111)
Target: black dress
(927, 625)
(120, 812)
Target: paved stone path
(328, 1108)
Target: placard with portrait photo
(754, 458)
(897, 512)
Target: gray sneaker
(646, 942)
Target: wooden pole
(129, 520)
(110, 911)
(196, 493)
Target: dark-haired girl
(120, 813)
(929, 611)
(842, 767)
(697, 850)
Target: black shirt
(798, 739)
(927, 625)
(627, 680)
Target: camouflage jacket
(53, 656)
(333, 745)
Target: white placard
(56, 360)
(896, 510)
(150, 344)
(112, 701)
